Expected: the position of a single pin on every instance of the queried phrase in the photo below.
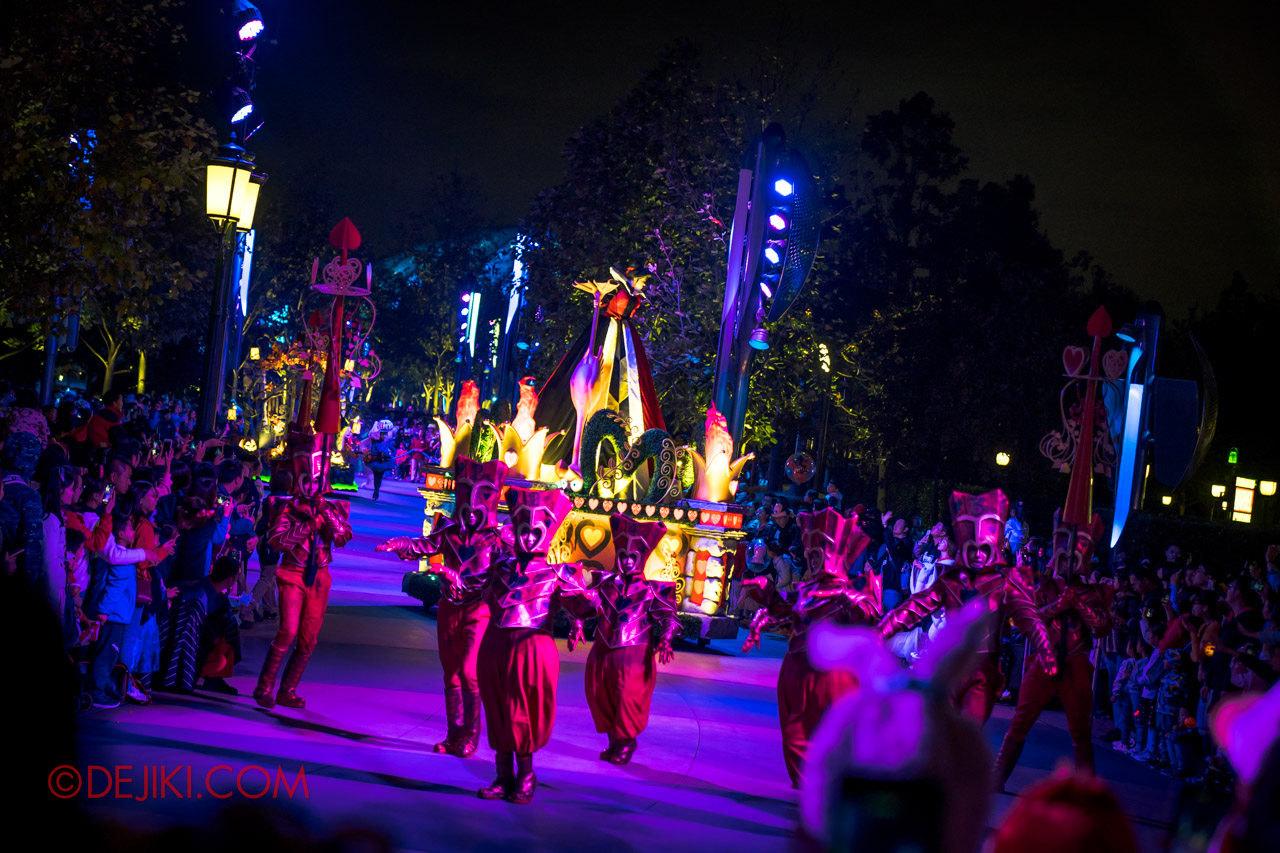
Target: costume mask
(831, 541)
(477, 492)
(978, 523)
(633, 542)
(1070, 562)
(536, 517)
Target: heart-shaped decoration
(635, 509)
(578, 502)
(594, 503)
(663, 511)
(650, 509)
(715, 518)
(679, 514)
(1073, 359)
(1114, 363)
(591, 540)
(607, 506)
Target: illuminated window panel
(1218, 491)
(1244, 483)
(1241, 516)
(1244, 500)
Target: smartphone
(223, 501)
(108, 492)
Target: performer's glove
(665, 653)
(576, 635)
(397, 545)
(752, 640)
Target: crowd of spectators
(136, 533)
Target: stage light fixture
(771, 255)
(766, 290)
(783, 187)
(248, 21)
(234, 102)
(778, 221)
(1127, 333)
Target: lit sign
(1241, 516)
(1243, 483)
(1218, 491)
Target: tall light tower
(772, 244)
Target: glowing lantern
(1003, 459)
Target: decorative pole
(341, 279)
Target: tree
(102, 157)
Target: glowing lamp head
(1003, 459)
(772, 256)
(255, 353)
(1166, 499)
(466, 297)
(759, 339)
(777, 222)
(248, 21)
(1267, 487)
(783, 187)
(766, 290)
(1127, 333)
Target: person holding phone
(21, 512)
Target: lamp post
(228, 202)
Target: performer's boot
(453, 712)
(1006, 760)
(611, 749)
(503, 784)
(626, 749)
(469, 732)
(288, 695)
(526, 783)
(263, 693)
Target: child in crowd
(1171, 697)
(113, 591)
(220, 641)
(1148, 677)
(1121, 705)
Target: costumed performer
(980, 571)
(304, 530)
(831, 544)
(519, 661)
(636, 628)
(469, 543)
(1073, 611)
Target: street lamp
(1003, 459)
(229, 201)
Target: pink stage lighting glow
(764, 286)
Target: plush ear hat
(901, 726)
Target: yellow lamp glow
(1217, 491)
(248, 444)
(1267, 487)
(227, 185)
(231, 413)
(1166, 499)
(1246, 483)
(1224, 504)
(349, 365)
(1003, 459)
(254, 353)
(249, 203)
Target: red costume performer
(469, 543)
(622, 666)
(304, 531)
(831, 544)
(519, 661)
(1073, 611)
(979, 571)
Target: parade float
(594, 429)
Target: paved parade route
(709, 770)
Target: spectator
(96, 432)
(894, 561)
(380, 458)
(201, 616)
(61, 487)
(1066, 813)
(782, 529)
(21, 515)
(1121, 705)
(834, 498)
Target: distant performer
(637, 626)
(519, 661)
(469, 543)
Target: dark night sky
(1153, 137)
